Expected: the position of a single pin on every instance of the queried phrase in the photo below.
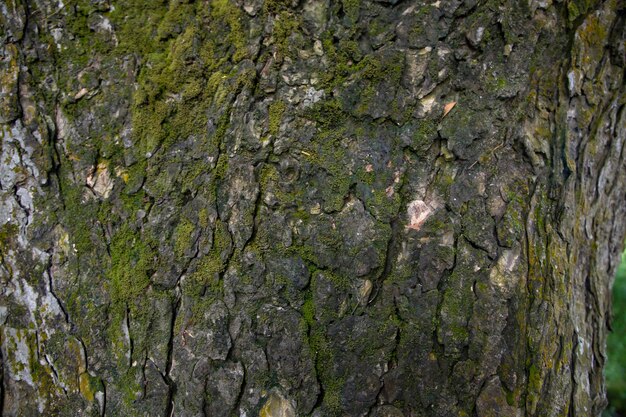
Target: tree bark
(309, 207)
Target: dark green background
(616, 346)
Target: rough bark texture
(281, 207)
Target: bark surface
(387, 208)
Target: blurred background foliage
(615, 370)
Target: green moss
(203, 217)
(456, 309)
(352, 8)
(377, 73)
(577, 8)
(276, 111)
(129, 386)
(42, 375)
(496, 84)
(308, 309)
(390, 69)
(511, 226)
(332, 395)
(593, 33)
(185, 51)
(182, 237)
(211, 266)
(324, 357)
(178, 16)
(285, 24)
(349, 50)
(78, 217)
(347, 61)
(156, 118)
(221, 168)
(383, 206)
(328, 114)
(572, 10)
(8, 232)
(89, 386)
(138, 23)
(534, 379)
(423, 137)
(231, 14)
(269, 175)
(78, 25)
(132, 259)
(275, 6)
(377, 28)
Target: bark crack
(171, 384)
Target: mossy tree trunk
(282, 207)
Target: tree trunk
(309, 207)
